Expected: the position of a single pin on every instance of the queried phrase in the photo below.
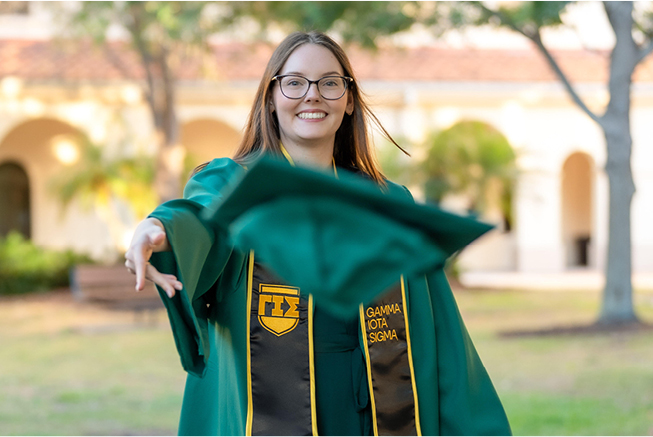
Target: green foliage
(473, 159)
(96, 179)
(25, 267)
(524, 17)
(191, 161)
(165, 35)
(360, 22)
(538, 14)
(149, 22)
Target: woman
(254, 371)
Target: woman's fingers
(140, 265)
(168, 283)
(149, 237)
(157, 238)
(141, 256)
(133, 269)
(130, 266)
(173, 280)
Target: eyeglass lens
(329, 87)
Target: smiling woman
(308, 121)
(340, 320)
(313, 123)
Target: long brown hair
(352, 147)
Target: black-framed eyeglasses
(329, 87)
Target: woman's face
(311, 120)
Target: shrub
(25, 267)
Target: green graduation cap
(345, 240)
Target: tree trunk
(170, 159)
(617, 304)
(169, 167)
(160, 94)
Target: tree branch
(116, 61)
(563, 78)
(536, 38)
(645, 51)
(504, 19)
(135, 30)
(169, 116)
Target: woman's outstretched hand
(149, 237)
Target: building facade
(50, 93)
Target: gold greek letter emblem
(277, 308)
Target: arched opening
(206, 139)
(14, 200)
(577, 209)
(32, 142)
(33, 147)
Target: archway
(206, 139)
(577, 176)
(31, 154)
(32, 143)
(14, 200)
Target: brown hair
(352, 146)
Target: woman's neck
(310, 155)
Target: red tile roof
(51, 60)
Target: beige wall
(30, 145)
(206, 139)
(538, 119)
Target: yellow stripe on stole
(250, 403)
(286, 154)
(292, 162)
(410, 357)
(410, 363)
(311, 358)
(369, 370)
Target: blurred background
(534, 116)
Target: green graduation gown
(456, 396)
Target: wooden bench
(114, 288)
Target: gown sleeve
(198, 257)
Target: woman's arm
(149, 237)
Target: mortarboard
(341, 239)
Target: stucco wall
(538, 119)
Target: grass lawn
(72, 369)
(69, 369)
(580, 384)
